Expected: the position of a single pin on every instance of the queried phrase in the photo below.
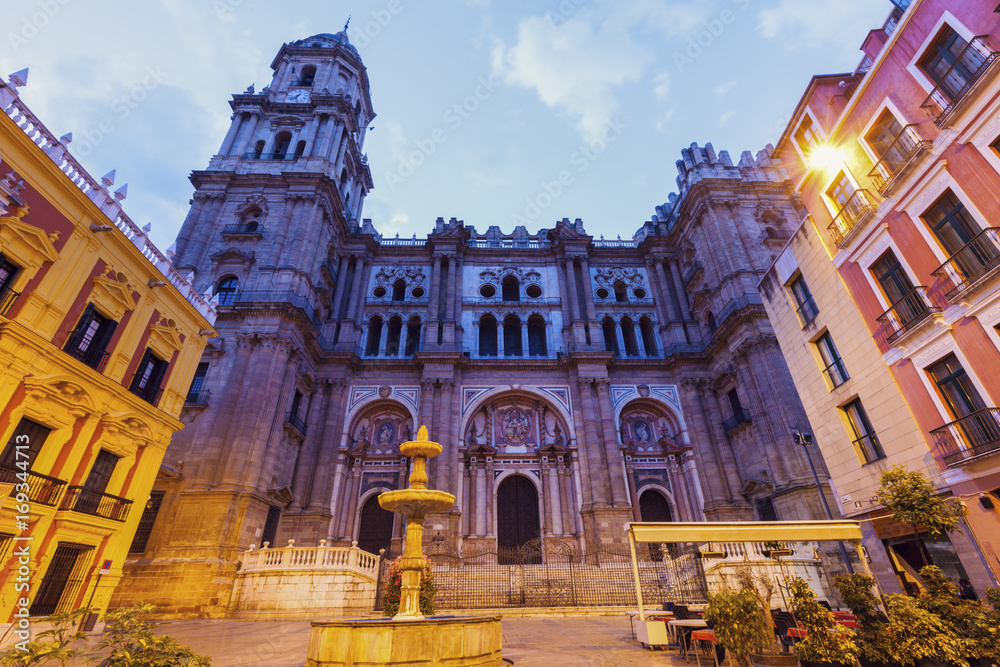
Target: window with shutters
(8, 273)
(89, 341)
(148, 379)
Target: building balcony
(275, 299)
(296, 423)
(250, 230)
(7, 298)
(970, 438)
(151, 393)
(952, 91)
(907, 314)
(42, 489)
(198, 398)
(898, 158)
(736, 421)
(92, 356)
(86, 501)
(971, 266)
(856, 211)
(252, 155)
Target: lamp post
(805, 439)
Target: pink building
(886, 301)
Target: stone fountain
(409, 638)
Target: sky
(510, 113)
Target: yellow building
(99, 340)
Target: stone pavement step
(528, 641)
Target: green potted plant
(828, 643)
(739, 624)
(773, 549)
(762, 586)
(872, 632)
(974, 623)
(918, 634)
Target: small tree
(761, 586)
(738, 622)
(49, 646)
(129, 634)
(918, 633)
(911, 499)
(875, 643)
(827, 641)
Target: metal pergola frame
(741, 531)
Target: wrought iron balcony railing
(900, 155)
(86, 501)
(971, 437)
(297, 423)
(42, 489)
(277, 299)
(198, 397)
(969, 67)
(837, 372)
(93, 356)
(906, 314)
(856, 211)
(150, 393)
(7, 298)
(870, 447)
(244, 230)
(739, 419)
(971, 265)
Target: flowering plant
(394, 585)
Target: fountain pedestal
(409, 638)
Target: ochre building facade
(99, 337)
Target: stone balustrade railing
(751, 550)
(291, 557)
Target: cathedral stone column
(490, 500)
(597, 464)
(258, 409)
(573, 322)
(251, 127)
(620, 337)
(449, 303)
(238, 119)
(619, 495)
(524, 338)
(633, 493)
(566, 498)
(356, 292)
(212, 457)
(190, 227)
(301, 479)
(284, 224)
(554, 492)
(445, 422)
(204, 230)
(327, 445)
(383, 338)
(357, 473)
(705, 447)
(749, 367)
(481, 498)
(345, 262)
(271, 445)
(433, 302)
(588, 297)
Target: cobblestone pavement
(527, 641)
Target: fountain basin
(416, 502)
(455, 641)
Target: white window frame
(887, 104)
(831, 206)
(820, 132)
(872, 254)
(923, 198)
(914, 68)
(940, 351)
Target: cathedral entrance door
(376, 527)
(654, 507)
(517, 520)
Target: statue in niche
(363, 444)
(407, 433)
(385, 435)
(642, 433)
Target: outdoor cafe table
(707, 636)
(802, 633)
(673, 627)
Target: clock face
(298, 96)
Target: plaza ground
(527, 641)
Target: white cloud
(724, 118)
(663, 121)
(661, 86)
(723, 88)
(574, 66)
(819, 22)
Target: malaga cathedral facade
(576, 384)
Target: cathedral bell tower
(268, 236)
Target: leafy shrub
(394, 585)
(738, 621)
(827, 641)
(874, 641)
